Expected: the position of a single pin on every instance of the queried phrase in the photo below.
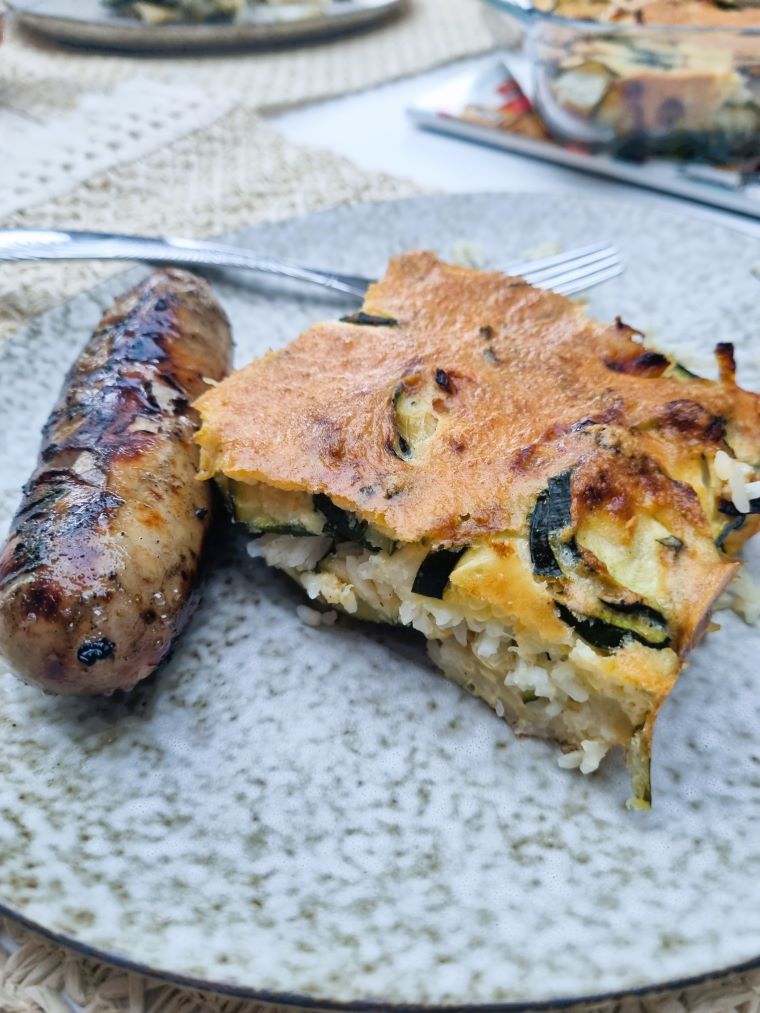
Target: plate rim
(295, 1001)
(131, 35)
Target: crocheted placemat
(428, 33)
(237, 171)
(158, 144)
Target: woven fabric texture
(151, 181)
(201, 185)
(430, 32)
(57, 148)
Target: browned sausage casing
(100, 571)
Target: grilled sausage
(100, 570)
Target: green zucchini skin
(345, 526)
(680, 372)
(434, 573)
(737, 520)
(400, 448)
(338, 522)
(733, 525)
(550, 515)
(606, 635)
(671, 542)
(276, 529)
(369, 320)
(730, 510)
(642, 621)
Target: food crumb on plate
(311, 617)
(586, 759)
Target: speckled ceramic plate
(317, 813)
(93, 23)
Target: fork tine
(566, 272)
(587, 281)
(557, 259)
(579, 274)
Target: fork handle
(39, 244)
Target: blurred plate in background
(488, 105)
(92, 23)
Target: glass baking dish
(681, 90)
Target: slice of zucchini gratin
(555, 507)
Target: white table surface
(373, 130)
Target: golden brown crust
(535, 387)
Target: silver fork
(566, 273)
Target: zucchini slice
(643, 622)
(611, 623)
(264, 509)
(345, 526)
(550, 516)
(727, 508)
(436, 568)
(593, 631)
(581, 89)
(610, 629)
(414, 417)
(671, 542)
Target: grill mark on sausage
(107, 394)
(34, 535)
